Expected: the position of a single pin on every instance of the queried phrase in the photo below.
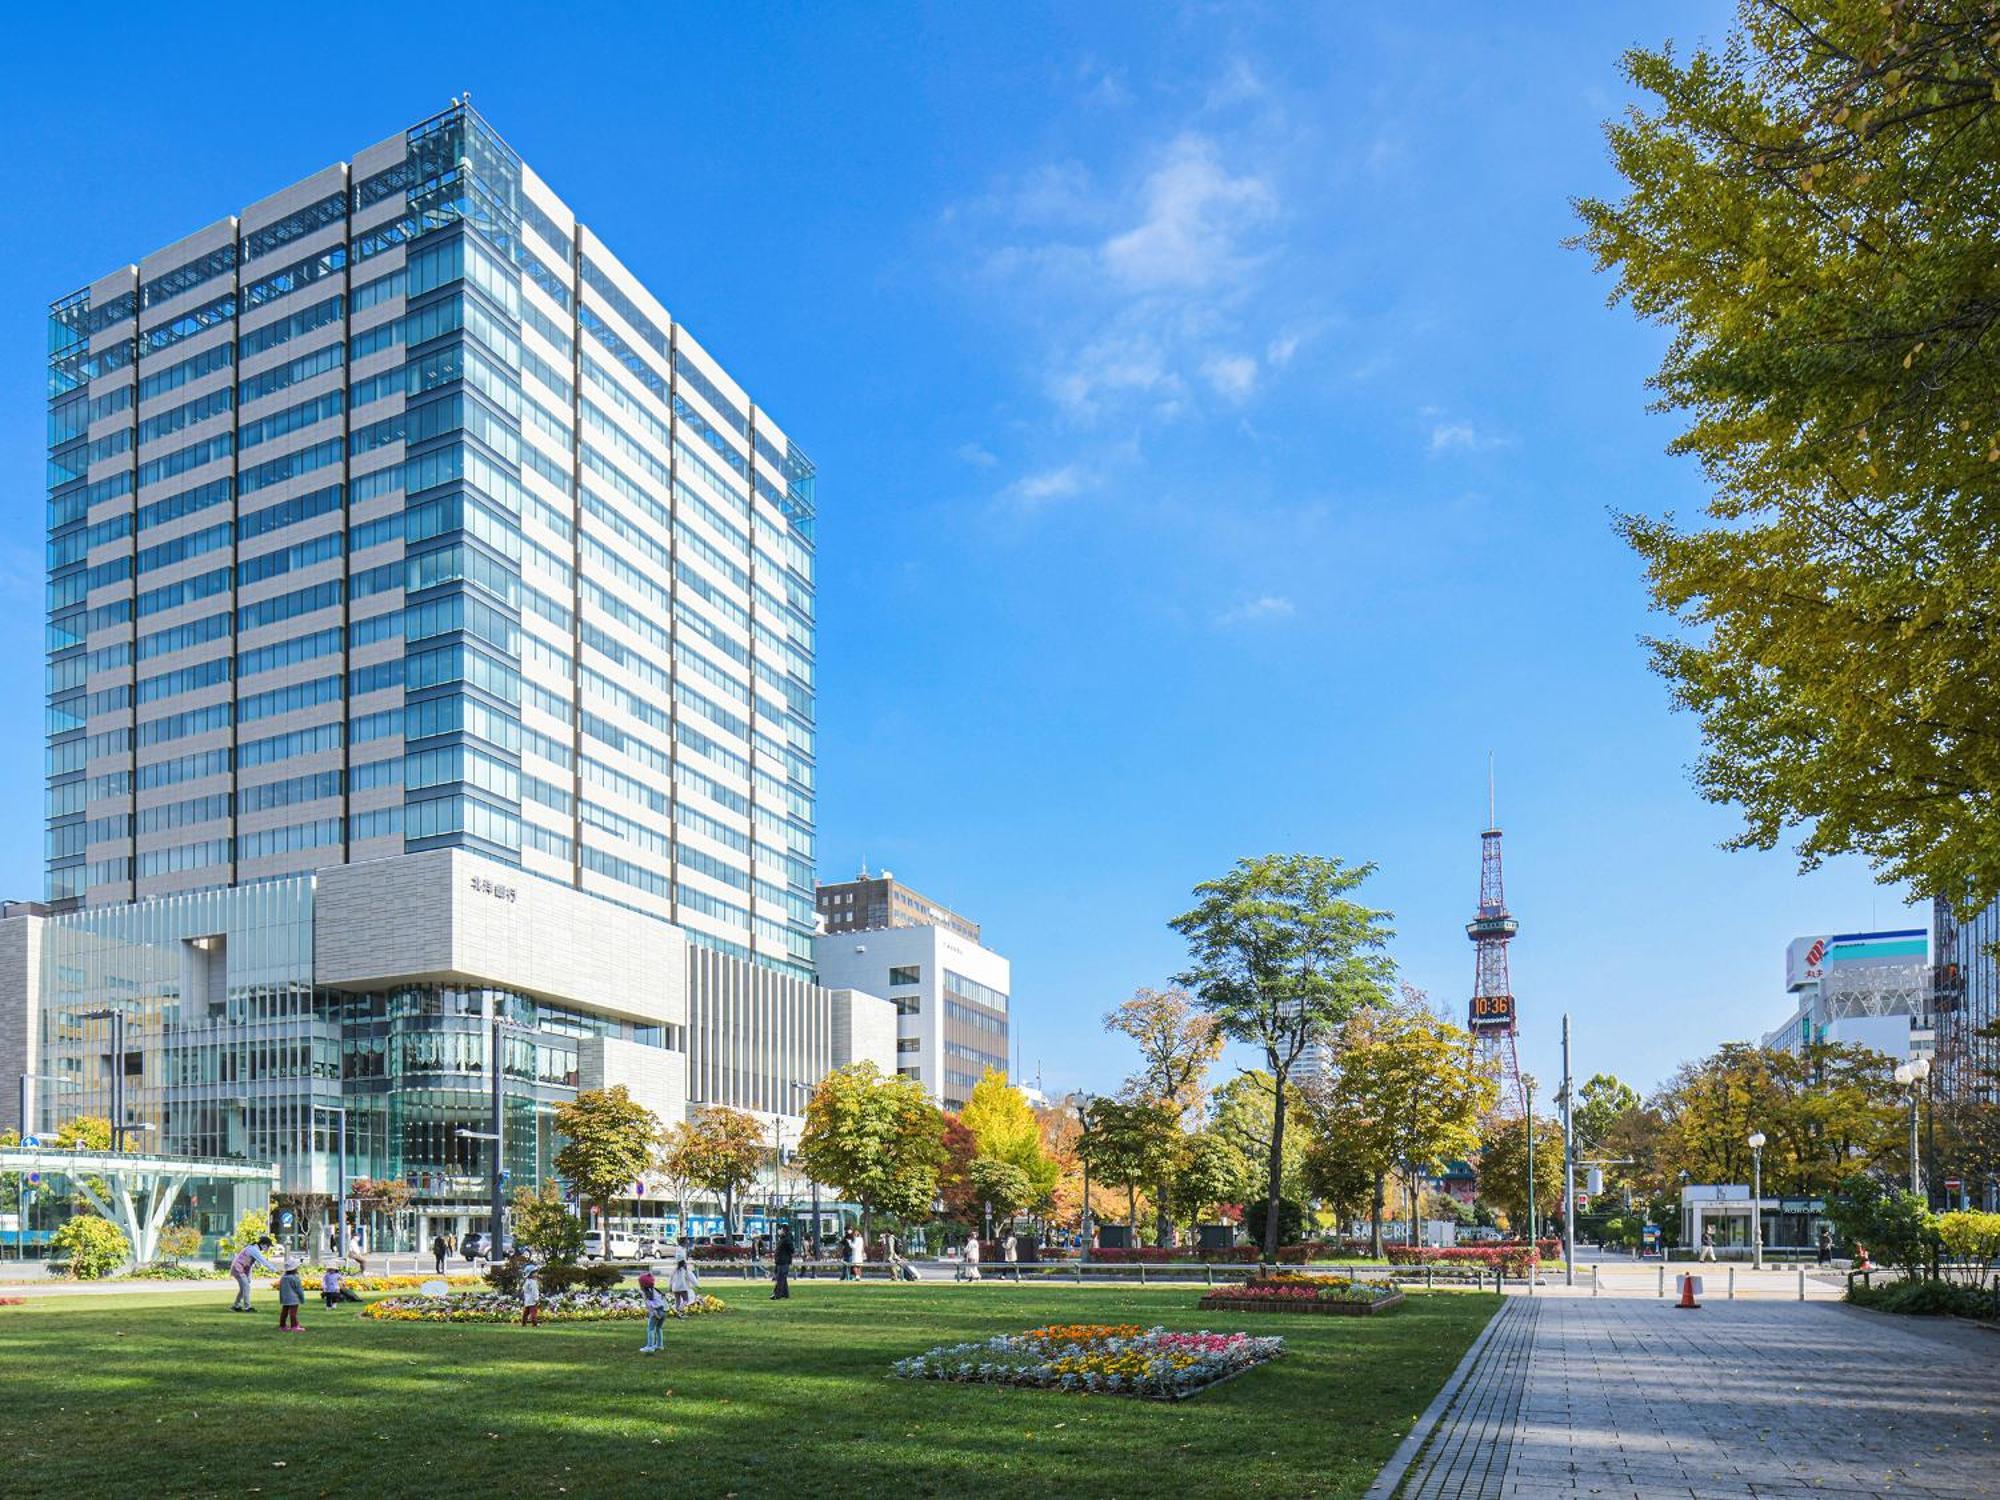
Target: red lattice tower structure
(1491, 1017)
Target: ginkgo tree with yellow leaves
(1809, 209)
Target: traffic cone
(1687, 1292)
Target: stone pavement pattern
(1638, 1399)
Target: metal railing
(1145, 1273)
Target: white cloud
(1265, 607)
(1139, 283)
(1033, 491)
(1232, 375)
(974, 454)
(1454, 435)
(1196, 218)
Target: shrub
(252, 1227)
(93, 1247)
(1971, 1240)
(1509, 1260)
(179, 1241)
(1927, 1299)
(566, 1278)
(170, 1270)
(505, 1275)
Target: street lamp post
(1528, 1083)
(1913, 1074)
(813, 1239)
(1082, 1103)
(1757, 1199)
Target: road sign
(31, 1141)
(285, 1218)
(638, 1190)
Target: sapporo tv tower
(1491, 1017)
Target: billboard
(1808, 959)
(1490, 1012)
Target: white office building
(950, 994)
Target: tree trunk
(1375, 1216)
(1275, 1165)
(1132, 1209)
(1163, 1224)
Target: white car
(622, 1246)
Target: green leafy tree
(1338, 1172)
(1131, 1144)
(724, 1149)
(1210, 1173)
(1807, 210)
(543, 1220)
(1279, 956)
(93, 1247)
(1001, 1185)
(877, 1139)
(1600, 1102)
(1406, 1096)
(1892, 1224)
(608, 1141)
(1503, 1170)
(1824, 1113)
(1245, 1114)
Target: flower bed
(493, 1307)
(1292, 1293)
(310, 1275)
(1113, 1359)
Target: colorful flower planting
(1292, 1292)
(496, 1307)
(1113, 1359)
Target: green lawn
(174, 1395)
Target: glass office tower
(394, 514)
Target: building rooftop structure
(873, 901)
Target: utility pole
(1569, 1167)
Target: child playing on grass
(656, 1314)
(531, 1297)
(684, 1282)
(291, 1293)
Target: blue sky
(1216, 443)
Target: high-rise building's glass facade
(394, 513)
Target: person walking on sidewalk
(1010, 1252)
(239, 1270)
(1708, 1244)
(1825, 1244)
(440, 1248)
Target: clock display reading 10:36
(1489, 1010)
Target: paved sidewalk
(1619, 1396)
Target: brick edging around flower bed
(1221, 1302)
